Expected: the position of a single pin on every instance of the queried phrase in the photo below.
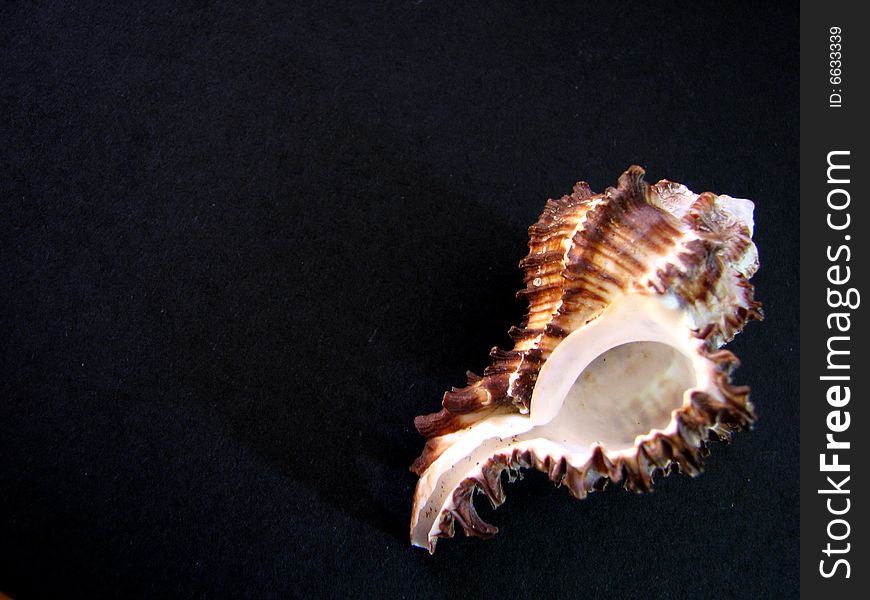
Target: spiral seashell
(617, 372)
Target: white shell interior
(614, 382)
(627, 391)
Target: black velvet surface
(244, 244)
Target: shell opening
(625, 392)
(642, 335)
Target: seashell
(617, 373)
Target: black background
(243, 247)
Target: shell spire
(655, 278)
